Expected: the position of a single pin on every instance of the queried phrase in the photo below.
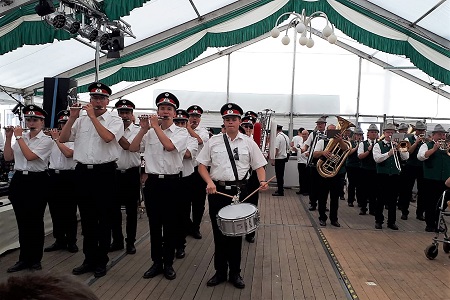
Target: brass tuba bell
(330, 167)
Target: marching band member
(280, 159)
(331, 185)
(164, 146)
(62, 176)
(412, 171)
(96, 134)
(353, 167)
(128, 182)
(303, 176)
(198, 187)
(368, 171)
(308, 147)
(436, 170)
(388, 167)
(30, 153)
(187, 184)
(221, 178)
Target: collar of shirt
(238, 136)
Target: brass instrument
(444, 145)
(403, 146)
(264, 119)
(330, 167)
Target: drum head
(236, 211)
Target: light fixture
(114, 44)
(44, 7)
(89, 32)
(57, 19)
(72, 25)
(302, 24)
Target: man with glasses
(95, 132)
(31, 154)
(222, 178)
(198, 188)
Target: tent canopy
(171, 34)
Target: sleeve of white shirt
(179, 139)
(192, 146)
(204, 157)
(361, 148)
(404, 155)
(256, 156)
(421, 153)
(309, 140)
(319, 146)
(377, 155)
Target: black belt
(29, 172)
(108, 165)
(132, 169)
(164, 176)
(54, 171)
(230, 183)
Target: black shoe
(115, 247)
(298, 193)
(180, 253)
(35, 267)
(350, 204)
(99, 272)
(216, 279)
(131, 249)
(371, 213)
(326, 209)
(305, 194)
(237, 281)
(322, 223)
(393, 226)
(196, 235)
(430, 229)
(312, 208)
(278, 194)
(362, 213)
(169, 272)
(378, 226)
(154, 270)
(72, 248)
(335, 224)
(250, 239)
(18, 266)
(55, 247)
(404, 217)
(342, 197)
(421, 218)
(84, 268)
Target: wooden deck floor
(292, 258)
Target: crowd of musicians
(94, 163)
(380, 172)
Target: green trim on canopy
(115, 9)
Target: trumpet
(444, 145)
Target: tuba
(330, 167)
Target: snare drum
(238, 219)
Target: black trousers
(369, 190)
(333, 186)
(303, 178)
(434, 190)
(96, 205)
(389, 186)
(280, 165)
(227, 249)
(128, 194)
(197, 196)
(63, 206)
(354, 190)
(184, 209)
(162, 200)
(28, 199)
(409, 175)
(253, 184)
(314, 185)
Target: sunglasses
(235, 153)
(180, 122)
(247, 126)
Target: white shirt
(2, 142)
(41, 145)
(190, 163)
(281, 143)
(128, 159)
(58, 161)
(380, 157)
(204, 135)
(157, 159)
(421, 153)
(361, 147)
(90, 148)
(298, 144)
(215, 154)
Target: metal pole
(228, 78)
(97, 60)
(358, 92)
(291, 113)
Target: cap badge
(230, 111)
(99, 84)
(98, 90)
(230, 106)
(31, 107)
(166, 94)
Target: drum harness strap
(233, 165)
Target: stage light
(114, 44)
(89, 32)
(45, 7)
(72, 25)
(57, 20)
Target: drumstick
(257, 189)
(223, 194)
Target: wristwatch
(18, 137)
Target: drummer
(222, 178)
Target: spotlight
(72, 25)
(17, 109)
(89, 32)
(114, 44)
(57, 20)
(103, 39)
(45, 7)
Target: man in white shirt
(281, 157)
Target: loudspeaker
(56, 92)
